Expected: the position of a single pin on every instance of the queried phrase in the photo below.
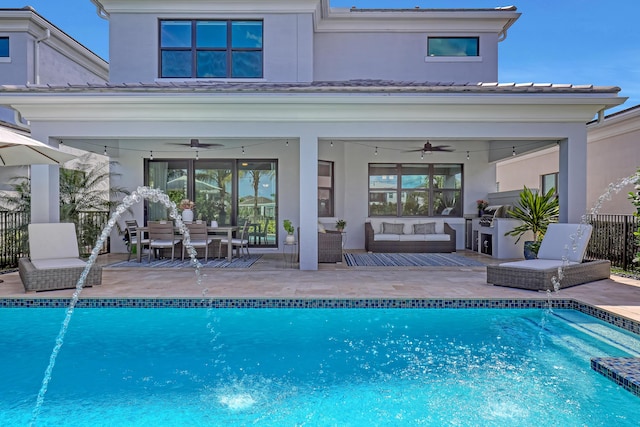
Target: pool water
(313, 367)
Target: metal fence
(612, 238)
(14, 238)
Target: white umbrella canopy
(20, 150)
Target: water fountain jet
(142, 192)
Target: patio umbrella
(20, 150)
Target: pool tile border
(624, 371)
(407, 303)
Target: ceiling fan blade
(442, 148)
(195, 144)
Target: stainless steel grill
(492, 212)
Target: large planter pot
(187, 215)
(528, 250)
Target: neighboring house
(35, 51)
(307, 112)
(613, 155)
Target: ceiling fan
(428, 148)
(195, 144)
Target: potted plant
(187, 209)
(482, 205)
(288, 227)
(536, 211)
(341, 224)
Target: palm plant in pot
(536, 211)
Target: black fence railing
(612, 238)
(14, 238)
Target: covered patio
(352, 124)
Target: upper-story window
(211, 49)
(453, 46)
(4, 47)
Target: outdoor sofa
(54, 261)
(409, 235)
(561, 251)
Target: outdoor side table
(290, 252)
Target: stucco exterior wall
(288, 46)
(399, 56)
(611, 156)
(15, 70)
(56, 68)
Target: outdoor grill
(492, 212)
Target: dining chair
(131, 229)
(199, 238)
(259, 232)
(241, 243)
(162, 236)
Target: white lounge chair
(54, 261)
(562, 251)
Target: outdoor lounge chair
(562, 249)
(54, 261)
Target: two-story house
(295, 110)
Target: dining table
(228, 229)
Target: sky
(554, 41)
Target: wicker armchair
(330, 246)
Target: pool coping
(310, 303)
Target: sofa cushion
(321, 228)
(411, 237)
(425, 228)
(380, 237)
(389, 228)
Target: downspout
(36, 55)
(100, 11)
(600, 115)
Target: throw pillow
(321, 228)
(389, 228)
(427, 228)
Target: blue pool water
(313, 367)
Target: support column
(45, 188)
(572, 176)
(308, 202)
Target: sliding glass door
(229, 191)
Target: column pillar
(308, 202)
(45, 188)
(572, 176)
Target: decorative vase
(290, 238)
(187, 215)
(480, 212)
(528, 250)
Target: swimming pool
(286, 367)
